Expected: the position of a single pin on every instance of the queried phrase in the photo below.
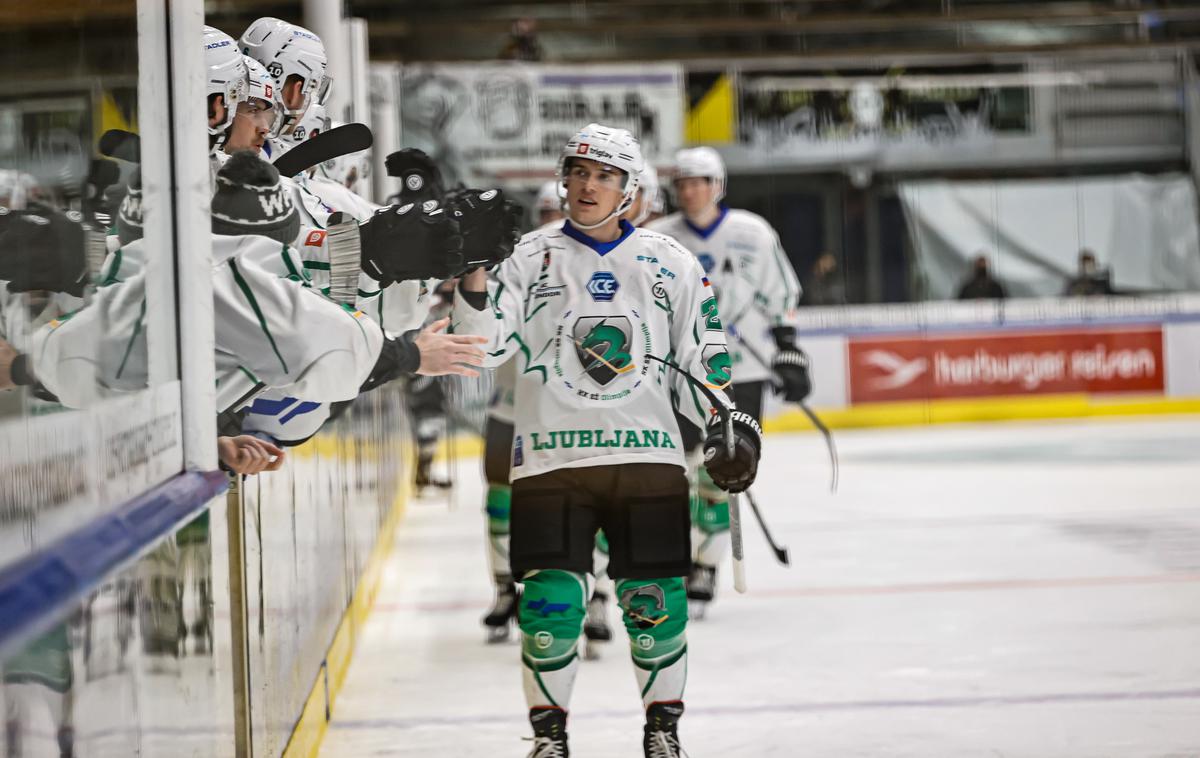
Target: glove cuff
(19, 370)
(790, 356)
(345, 260)
(784, 336)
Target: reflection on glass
(130, 671)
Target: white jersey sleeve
(698, 340)
(283, 332)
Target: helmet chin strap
(621, 208)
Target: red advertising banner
(980, 364)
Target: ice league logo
(603, 286)
(602, 344)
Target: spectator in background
(522, 42)
(1091, 279)
(824, 285)
(981, 285)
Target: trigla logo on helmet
(285, 51)
(262, 87)
(611, 147)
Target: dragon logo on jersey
(712, 320)
(719, 366)
(647, 606)
(602, 344)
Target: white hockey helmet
(261, 86)
(612, 147)
(314, 121)
(285, 50)
(702, 162)
(225, 70)
(549, 197)
(651, 200)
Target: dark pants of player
(643, 509)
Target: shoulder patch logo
(603, 286)
(315, 238)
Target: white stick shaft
(735, 537)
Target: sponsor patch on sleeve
(315, 238)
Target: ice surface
(1025, 589)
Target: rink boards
(995, 360)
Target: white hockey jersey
(742, 256)
(271, 327)
(580, 320)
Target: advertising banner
(509, 120)
(982, 364)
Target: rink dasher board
(1118, 356)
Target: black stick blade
(345, 139)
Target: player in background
(758, 289)
(497, 458)
(588, 312)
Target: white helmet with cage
(261, 86)
(702, 162)
(612, 147)
(225, 70)
(287, 50)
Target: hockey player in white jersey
(588, 312)
(742, 256)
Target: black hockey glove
(790, 365)
(420, 179)
(733, 474)
(490, 225)
(401, 243)
(43, 248)
(399, 357)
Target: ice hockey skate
(502, 615)
(661, 738)
(549, 733)
(596, 630)
(701, 588)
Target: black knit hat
(129, 214)
(251, 200)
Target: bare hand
(7, 355)
(448, 353)
(247, 454)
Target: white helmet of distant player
(651, 203)
(287, 50)
(225, 70)
(261, 86)
(549, 197)
(612, 147)
(702, 162)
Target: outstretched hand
(443, 353)
(247, 454)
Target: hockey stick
(781, 553)
(735, 513)
(777, 385)
(342, 140)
